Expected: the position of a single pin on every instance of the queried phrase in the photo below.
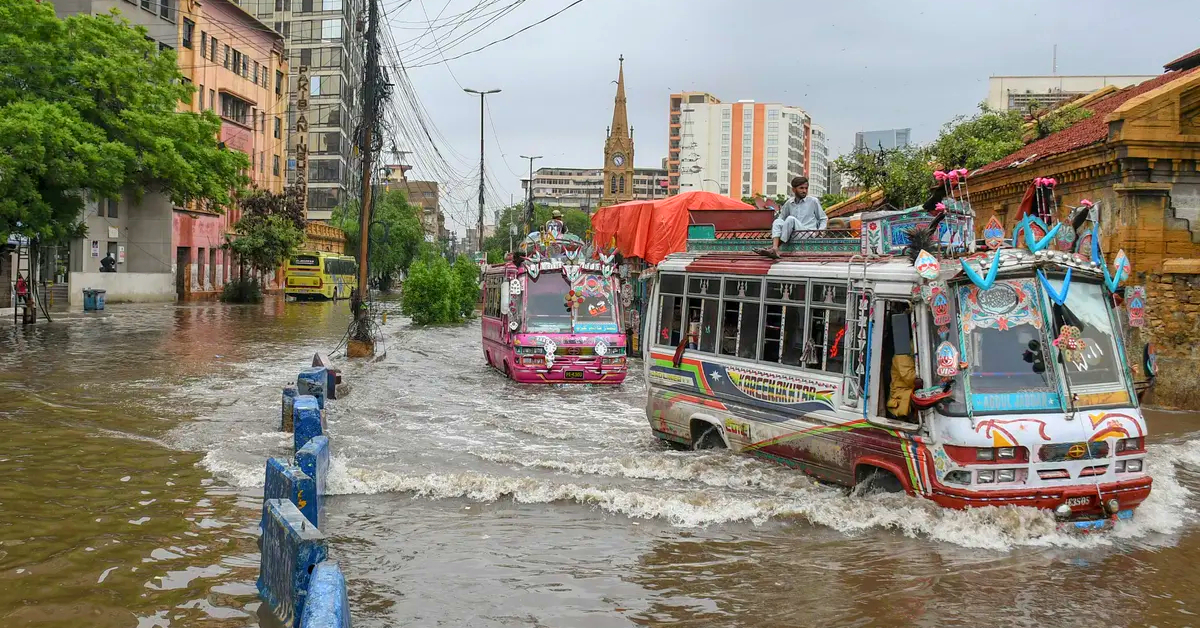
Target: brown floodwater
(130, 491)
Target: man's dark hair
(799, 181)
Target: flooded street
(130, 489)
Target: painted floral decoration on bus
(1006, 304)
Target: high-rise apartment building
(888, 139)
(738, 149)
(818, 171)
(324, 43)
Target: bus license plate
(1078, 501)
(574, 374)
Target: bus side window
(504, 297)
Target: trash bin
(93, 299)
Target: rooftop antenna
(1054, 68)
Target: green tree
(396, 235)
(88, 104)
(905, 174)
(829, 200)
(267, 235)
(978, 140)
(436, 293)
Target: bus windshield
(1005, 349)
(306, 260)
(1097, 366)
(598, 312)
(546, 304)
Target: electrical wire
(424, 63)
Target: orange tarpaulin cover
(652, 230)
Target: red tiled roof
(1187, 61)
(1086, 131)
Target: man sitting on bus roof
(800, 213)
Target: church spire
(620, 123)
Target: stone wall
(1173, 326)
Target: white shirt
(807, 212)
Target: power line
(490, 44)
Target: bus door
(893, 367)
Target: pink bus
(553, 316)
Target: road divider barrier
(296, 581)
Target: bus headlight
(1006, 475)
(987, 477)
(1133, 466)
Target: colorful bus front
(546, 327)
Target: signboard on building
(121, 254)
(302, 135)
(113, 233)
(95, 248)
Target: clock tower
(617, 186)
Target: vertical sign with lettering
(302, 135)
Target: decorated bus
(905, 355)
(552, 314)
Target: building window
(163, 47)
(726, 114)
(212, 99)
(278, 83)
(745, 189)
(275, 165)
(278, 127)
(212, 50)
(262, 162)
(773, 114)
(203, 44)
(772, 140)
(772, 177)
(189, 27)
(237, 60)
(262, 122)
(612, 185)
(235, 109)
(772, 151)
(245, 66)
(725, 138)
(112, 207)
(724, 164)
(166, 11)
(771, 190)
(227, 58)
(725, 190)
(622, 184)
(746, 163)
(256, 73)
(331, 30)
(201, 98)
(331, 5)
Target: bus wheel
(709, 439)
(872, 480)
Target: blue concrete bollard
(328, 605)
(289, 399)
(291, 548)
(312, 382)
(290, 482)
(307, 421)
(313, 460)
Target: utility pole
(361, 344)
(529, 195)
(479, 235)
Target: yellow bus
(320, 275)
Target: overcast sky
(853, 65)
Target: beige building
(422, 193)
(582, 188)
(740, 149)
(1016, 92)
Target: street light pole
(479, 234)
(529, 195)
(703, 181)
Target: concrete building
(888, 139)
(237, 65)
(159, 17)
(425, 195)
(738, 149)
(322, 37)
(1135, 158)
(581, 188)
(1017, 92)
(818, 177)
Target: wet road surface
(131, 484)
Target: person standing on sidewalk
(800, 213)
